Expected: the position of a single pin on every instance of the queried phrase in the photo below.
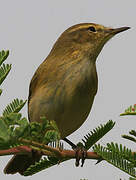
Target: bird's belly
(74, 116)
(69, 113)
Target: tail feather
(19, 163)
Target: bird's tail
(19, 163)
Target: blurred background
(30, 28)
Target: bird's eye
(91, 28)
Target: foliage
(91, 138)
(14, 107)
(4, 68)
(41, 165)
(95, 135)
(131, 110)
(120, 157)
(13, 127)
(132, 178)
(132, 133)
(3, 56)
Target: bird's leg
(80, 152)
(70, 143)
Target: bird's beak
(118, 30)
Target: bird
(64, 86)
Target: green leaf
(51, 135)
(116, 158)
(4, 70)
(132, 178)
(4, 136)
(0, 91)
(15, 106)
(122, 151)
(129, 138)
(11, 128)
(41, 165)
(3, 56)
(133, 132)
(91, 138)
(129, 111)
(51, 131)
(19, 127)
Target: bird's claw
(84, 154)
(80, 153)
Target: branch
(16, 150)
(46, 150)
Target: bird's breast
(68, 101)
(76, 97)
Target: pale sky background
(29, 28)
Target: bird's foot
(80, 153)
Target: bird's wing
(32, 85)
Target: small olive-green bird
(65, 84)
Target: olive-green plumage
(65, 84)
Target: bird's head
(89, 38)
